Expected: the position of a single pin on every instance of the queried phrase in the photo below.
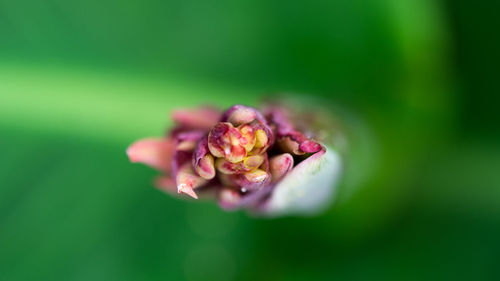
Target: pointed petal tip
(183, 188)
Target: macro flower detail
(245, 158)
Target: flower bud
(227, 142)
(234, 156)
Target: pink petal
(154, 152)
(200, 118)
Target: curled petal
(206, 167)
(200, 118)
(279, 165)
(203, 161)
(155, 152)
(307, 188)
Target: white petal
(308, 188)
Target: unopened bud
(225, 141)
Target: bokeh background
(415, 81)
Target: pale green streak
(100, 105)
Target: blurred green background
(415, 81)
